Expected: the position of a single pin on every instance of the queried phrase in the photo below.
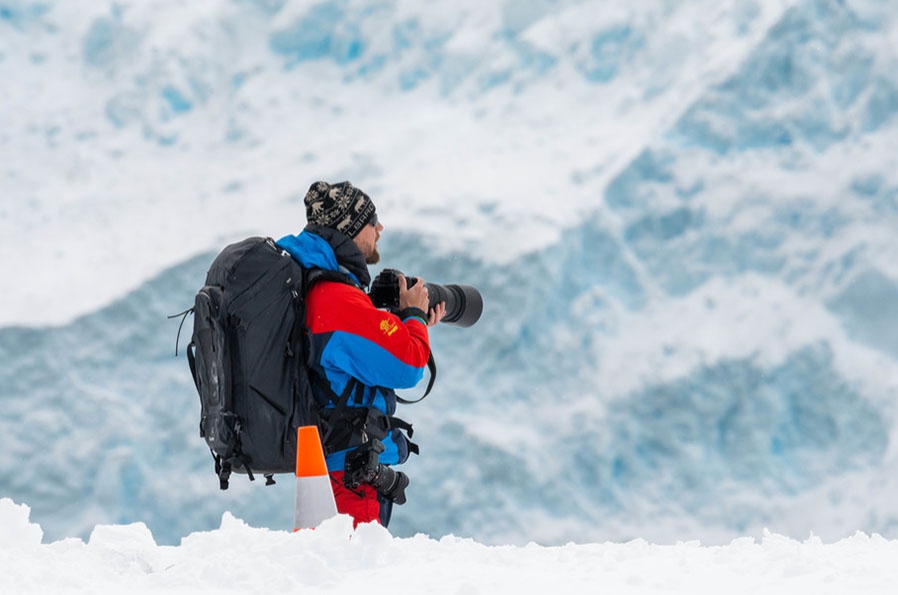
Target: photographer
(360, 353)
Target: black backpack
(249, 359)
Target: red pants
(362, 503)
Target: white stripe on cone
(314, 496)
(314, 502)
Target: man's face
(367, 240)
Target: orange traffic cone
(314, 496)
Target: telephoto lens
(464, 304)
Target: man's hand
(436, 314)
(413, 297)
(417, 296)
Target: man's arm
(375, 346)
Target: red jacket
(354, 342)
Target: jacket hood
(328, 249)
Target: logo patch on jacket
(388, 327)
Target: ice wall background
(683, 219)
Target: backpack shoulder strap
(314, 275)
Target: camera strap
(432, 366)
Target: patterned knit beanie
(339, 206)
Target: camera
(464, 304)
(363, 466)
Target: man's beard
(373, 257)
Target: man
(360, 353)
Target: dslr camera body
(464, 304)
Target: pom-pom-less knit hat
(340, 206)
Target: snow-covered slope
(238, 558)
